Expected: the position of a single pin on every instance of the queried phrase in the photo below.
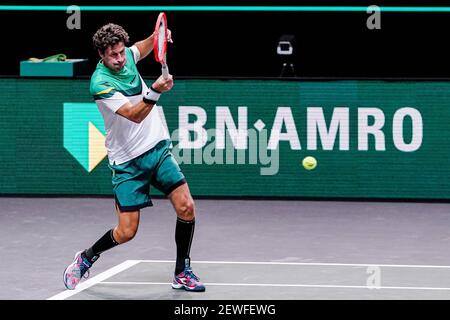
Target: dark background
(243, 44)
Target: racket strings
(162, 40)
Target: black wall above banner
(212, 43)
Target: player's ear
(101, 53)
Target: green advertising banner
(371, 139)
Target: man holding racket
(138, 152)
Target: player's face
(114, 57)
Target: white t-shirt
(125, 139)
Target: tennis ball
(309, 163)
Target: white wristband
(151, 96)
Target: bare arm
(146, 46)
(139, 111)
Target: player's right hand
(162, 84)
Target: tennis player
(138, 152)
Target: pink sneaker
(77, 270)
(187, 280)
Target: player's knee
(186, 210)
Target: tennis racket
(160, 43)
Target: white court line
(307, 264)
(282, 285)
(89, 283)
(129, 263)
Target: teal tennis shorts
(131, 180)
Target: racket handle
(165, 71)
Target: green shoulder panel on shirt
(105, 82)
(102, 89)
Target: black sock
(104, 243)
(184, 231)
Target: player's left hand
(169, 36)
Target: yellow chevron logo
(97, 149)
(84, 134)
(104, 91)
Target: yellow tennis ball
(309, 163)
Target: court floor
(226, 280)
(242, 249)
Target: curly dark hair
(109, 35)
